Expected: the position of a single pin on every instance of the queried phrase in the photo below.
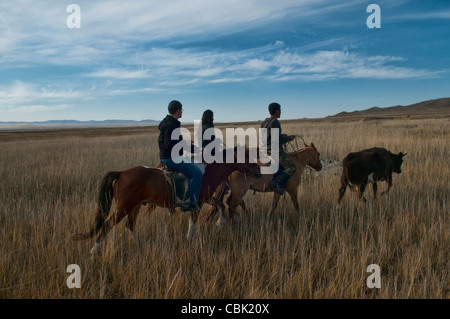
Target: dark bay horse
(239, 184)
(144, 185)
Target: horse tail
(105, 197)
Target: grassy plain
(48, 190)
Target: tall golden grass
(48, 190)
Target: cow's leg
(362, 187)
(341, 193)
(389, 181)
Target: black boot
(278, 184)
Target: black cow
(369, 166)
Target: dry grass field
(48, 189)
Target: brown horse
(144, 185)
(239, 184)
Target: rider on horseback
(165, 143)
(207, 123)
(287, 167)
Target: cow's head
(397, 162)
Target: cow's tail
(105, 197)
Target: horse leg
(374, 188)
(231, 210)
(131, 222)
(275, 199)
(244, 208)
(219, 195)
(149, 208)
(292, 191)
(218, 204)
(123, 208)
(233, 203)
(109, 224)
(192, 221)
(239, 186)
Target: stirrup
(277, 188)
(194, 208)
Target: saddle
(180, 186)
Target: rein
(296, 144)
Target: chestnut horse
(239, 184)
(144, 185)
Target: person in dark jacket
(207, 122)
(279, 182)
(166, 144)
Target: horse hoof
(96, 249)
(221, 222)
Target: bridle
(297, 148)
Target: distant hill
(75, 124)
(430, 108)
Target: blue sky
(130, 58)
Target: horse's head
(313, 159)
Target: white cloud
(26, 97)
(119, 92)
(119, 74)
(232, 79)
(36, 108)
(156, 20)
(36, 31)
(151, 46)
(170, 68)
(328, 65)
(114, 36)
(442, 14)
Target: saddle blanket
(180, 185)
